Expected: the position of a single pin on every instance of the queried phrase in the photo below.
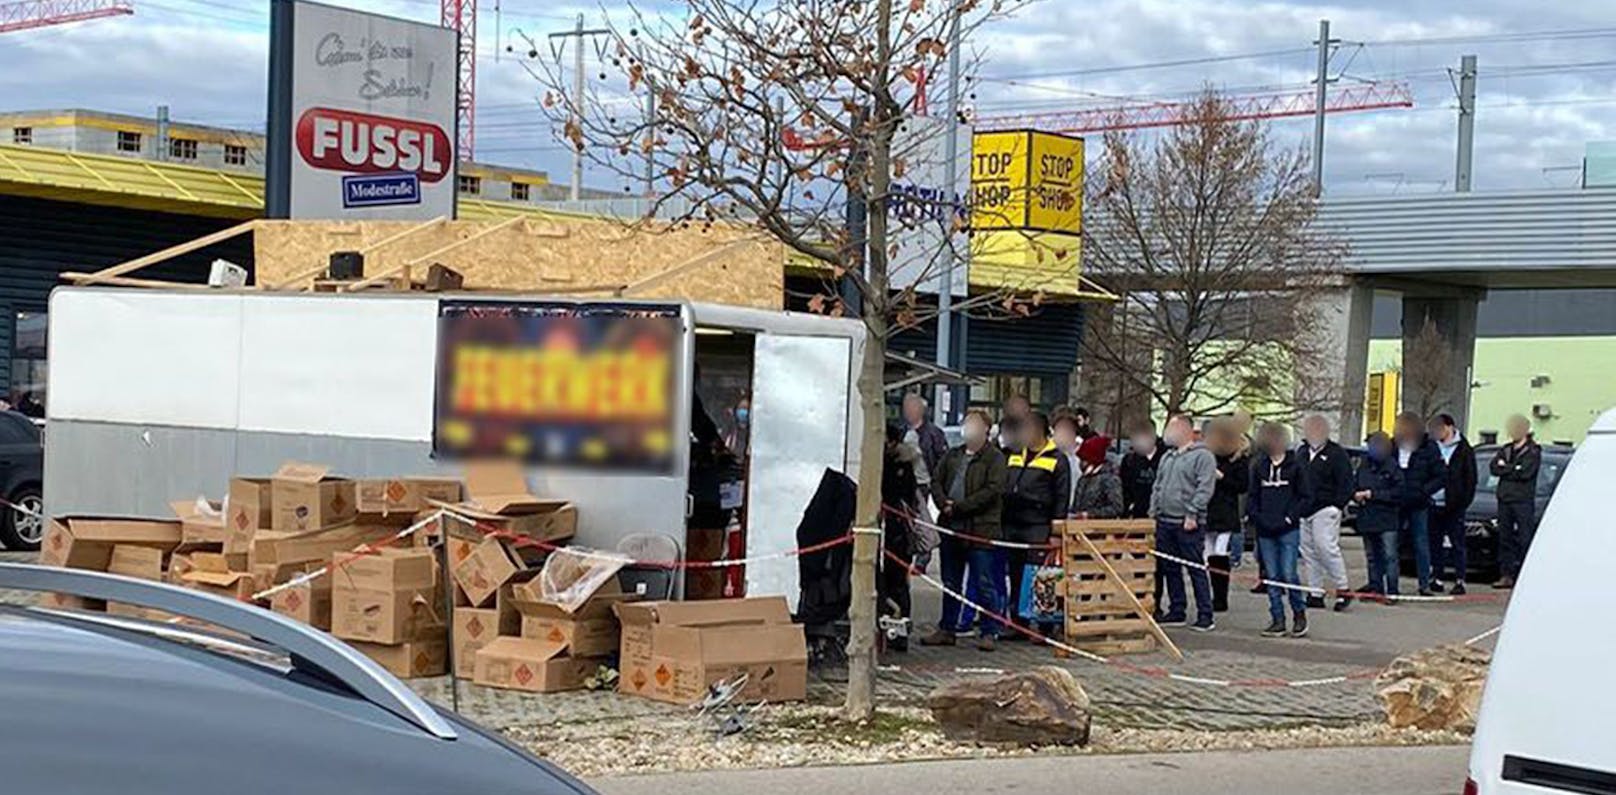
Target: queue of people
(1206, 488)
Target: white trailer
(156, 395)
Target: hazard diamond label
(242, 519)
(557, 635)
(293, 600)
(338, 504)
(422, 661)
(663, 675)
(56, 541)
(475, 627)
(396, 491)
(638, 680)
(522, 674)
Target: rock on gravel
(1040, 706)
(1434, 689)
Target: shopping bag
(1040, 599)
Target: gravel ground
(798, 735)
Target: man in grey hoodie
(1184, 482)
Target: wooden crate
(1099, 617)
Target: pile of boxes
(520, 611)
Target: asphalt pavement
(1328, 771)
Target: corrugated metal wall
(40, 238)
(1473, 231)
(1044, 344)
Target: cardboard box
(587, 630)
(402, 498)
(63, 549)
(62, 601)
(497, 495)
(279, 547)
(304, 497)
(211, 572)
(490, 565)
(129, 560)
(537, 666)
(309, 603)
(672, 651)
(201, 522)
(476, 627)
(250, 503)
(386, 569)
(428, 657)
(390, 617)
(161, 534)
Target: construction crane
(461, 17)
(41, 13)
(1278, 105)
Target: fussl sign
(362, 115)
(1025, 179)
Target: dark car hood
(112, 711)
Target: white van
(1548, 715)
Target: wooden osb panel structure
(1100, 616)
(542, 254)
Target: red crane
(461, 16)
(1279, 105)
(40, 13)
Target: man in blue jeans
(1281, 489)
(968, 488)
(1184, 482)
(1424, 474)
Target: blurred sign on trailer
(1027, 180)
(556, 383)
(362, 115)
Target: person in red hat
(1096, 487)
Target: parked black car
(22, 468)
(99, 704)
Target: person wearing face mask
(1184, 484)
(968, 490)
(1329, 476)
(1424, 475)
(1280, 491)
(1036, 490)
(1378, 491)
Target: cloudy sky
(1547, 73)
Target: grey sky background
(1540, 98)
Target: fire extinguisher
(734, 549)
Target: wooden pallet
(1110, 585)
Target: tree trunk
(861, 660)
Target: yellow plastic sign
(1025, 179)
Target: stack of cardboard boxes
(133, 547)
(566, 628)
(675, 651)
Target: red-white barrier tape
(337, 564)
(1368, 596)
(525, 541)
(21, 509)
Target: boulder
(1433, 689)
(1041, 706)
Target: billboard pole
(945, 288)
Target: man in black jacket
(1038, 485)
(1516, 466)
(1329, 482)
(1448, 506)
(1424, 474)
(1138, 470)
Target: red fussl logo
(362, 143)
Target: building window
(519, 191)
(129, 141)
(235, 155)
(182, 149)
(470, 186)
(22, 135)
(28, 364)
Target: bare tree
(1207, 232)
(1423, 386)
(794, 116)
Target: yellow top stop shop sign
(1026, 179)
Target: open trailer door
(800, 399)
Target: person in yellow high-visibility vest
(1036, 491)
